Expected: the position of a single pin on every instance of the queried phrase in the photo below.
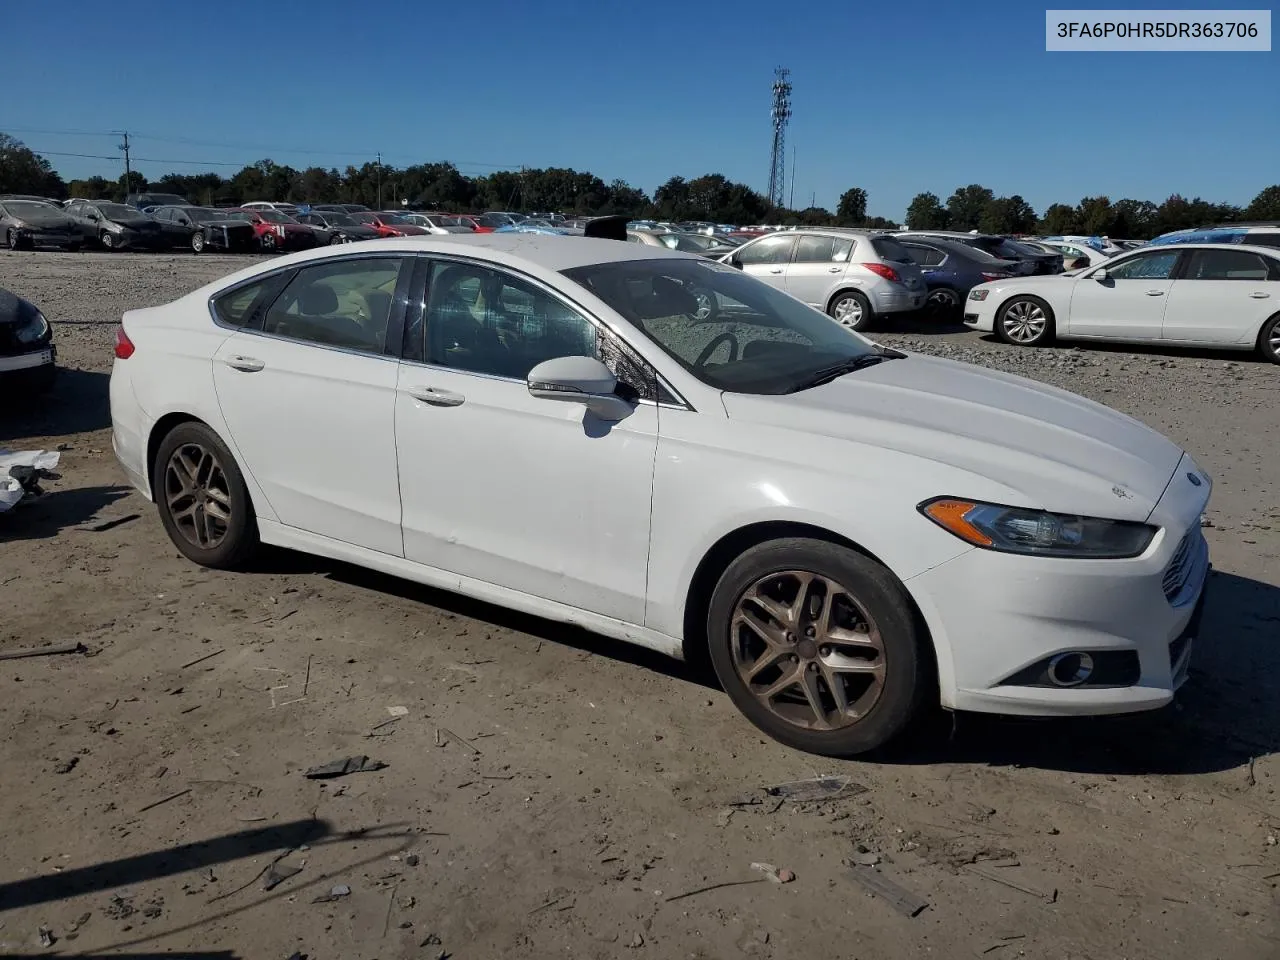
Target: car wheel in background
(268, 242)
(14, 240)
(1269, 339)
(1025, 322)
(197, 242)
(202, 499)
(107, 240)
(943, 302)
(708, 305)
(852, 309)
(819, 646)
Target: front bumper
(33, 368)
(994, 615)
(36, 238)
(980, 314)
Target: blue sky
(893, 97)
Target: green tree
(1133, 219)
(852, 208)
(1095, 216)
(965, 206)
(24, 171)
(1266, 205)
(1007, 215)
(95, 188)
(131, 182)
(1060, 219)
(926, 212)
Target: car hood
(1060, 451)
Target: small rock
(47, 939)
(66, 766)
(636, 942)
(411, 859)
(431, 940)
(785, 875)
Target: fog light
(1070, 669)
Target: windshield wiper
(837, 370)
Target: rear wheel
(851, 309)
(818, 645)
(202, 499)
(943, 302)
(1269, 339)
(1025, 322)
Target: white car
(437, 223)
(1190, 295)
(855, 276)
(1076, 252)
(846, 532)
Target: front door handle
(245, 364)
(1155, 293)
(1259, 295)
(437, 398)
(834, 269)
(775, 270)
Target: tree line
(713, 197)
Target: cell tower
(781, 115)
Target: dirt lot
(551, 793)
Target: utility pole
(128, 170)
(379, 179)
(792, 204)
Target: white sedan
(1192, 295)
(844, 531)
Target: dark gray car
(337, 227)
(27, 224)
(115, 226)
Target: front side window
(767, 250)
(751, 338)
(1150, 266)
(346, 303)
(1227, 265)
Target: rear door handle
(245, 364)
(1155, 293)
(1259, 295)
(437, 398)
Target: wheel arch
(841, 291)
(159, 430)
(1262, 328)
(714, 562)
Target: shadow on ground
(78, 403)
(60, 510)
(1227, 713)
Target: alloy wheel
(198, 495)
(1024, 321)
(848, 311)
(808, 650)
(705, 304)
(1274, 340)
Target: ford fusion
(848, 533)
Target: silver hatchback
(854, 276)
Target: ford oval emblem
(1195, 481)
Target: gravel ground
(548, 792)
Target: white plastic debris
(12, 490)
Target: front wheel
(851, 309)
(107, 240)
(202, 498)
(1269, 339)
(197, 242)
(1025, 322)
(15, 240)
(819, 646)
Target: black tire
(240, 533)
(15, 241)
(1025, 321)
(268, 242)
(1269, 339)
(708, 303)
(852, 309)
(108, 242)
(197, 242)
(943, 303)
(906, 666)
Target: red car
(389, 224)
(279, 231)
(474, 223)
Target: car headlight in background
(977, 293)
(1038, 532)
(34, 330)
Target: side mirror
(1100, 274)
(582, 380)
(732, 260)
(93, 216)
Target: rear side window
(1227, 265)
(1264, 239)
(345, 304)
(890, 249)
(924, 256)
(235, 308)
(815, 249)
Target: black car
(341, 207)
(27, 224)
(114, 226)
(144, 200)
(952, 269)
(27, 354)
(1029, 259)
(337, 227)
(202, 228)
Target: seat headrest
(318, 300)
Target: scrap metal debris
(898, 897)
(43, 651)
(336, 893)
(21, 473)
(803, 791)
(47, 939)
(340, 768)
(278, 873)
(773, 873)
(98, 525)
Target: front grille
(1183, 576)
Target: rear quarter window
(241, 306)
(890, 249)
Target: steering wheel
(711, 348)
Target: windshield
(445, 221)
(161, 199)
(118, 211)
(274, 216)
(976, 254)
(364, 218)
(1020, 249)
(393, 218)
(338, 219)
(751, 338)
(27, 208)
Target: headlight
(34, 330)
(1038, 532)
(978, 294)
